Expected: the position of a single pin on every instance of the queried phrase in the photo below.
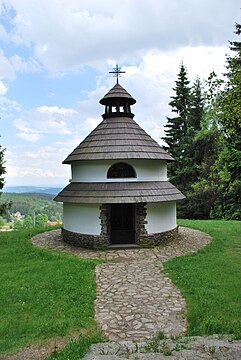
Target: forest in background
(36, 209)
(204, 138)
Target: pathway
(135, 299)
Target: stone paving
(185, 348)
(135, 298)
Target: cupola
(117, 103)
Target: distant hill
(32, 189)
(32, 203)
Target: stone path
(186, 348)
(135, 299)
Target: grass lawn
(43, 294)
(210, 279)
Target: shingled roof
(118, 138)
(119, 192)
(117, 92)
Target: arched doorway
(122, 223)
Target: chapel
(119, 193)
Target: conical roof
(118, 138)
(117, 92)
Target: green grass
(210, 280)
(77, 348)
(43, 294)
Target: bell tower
(117, 101)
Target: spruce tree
(176, 128)
(196, 106)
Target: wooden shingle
(119, 192)
(118, 138)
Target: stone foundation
(85, 240)
(155, 239)
(103, 241)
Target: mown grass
(78, 347)
(210, 280)
(43, 294)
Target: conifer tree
(196, 106)
(176, 128)
(228, 203)
(3, 206)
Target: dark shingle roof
(119, 192)
(118, 138)
(117, 92)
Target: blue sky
(55, 56)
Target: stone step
(123, 246)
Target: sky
(55, 58)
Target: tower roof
(118, 136)
(117, 92)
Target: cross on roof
(116, 72)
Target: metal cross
(116, 72)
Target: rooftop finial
(116, 72)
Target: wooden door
(122, 222)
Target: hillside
(32, 189)
(33, 203)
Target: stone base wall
(150, 240)
(99, 242)
(86, 240)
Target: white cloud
(4, 36)
(68, 34)
(29, 137)
(43, 121)
(37, 166)
(20, 64)
(10, 65)
(56, 110)
(3, 88)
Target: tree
(18, 225)
(28, 222)
(196, 106)
(176, 131)
(41, 220)
(176, 128)
(2, 221)
(228, 107)
(3, 206)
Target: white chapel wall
(161, 217)
(96, 171)
(82, 218)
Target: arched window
(121, 170)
